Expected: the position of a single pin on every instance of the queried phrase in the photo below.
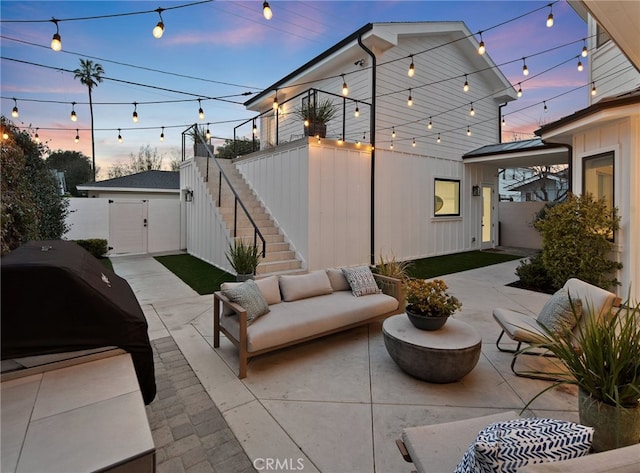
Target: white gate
(128, 230)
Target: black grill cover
(56, 297)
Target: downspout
(372, 135)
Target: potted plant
(316, 116)
(244, 258)
(602, 358)
(200, 141)
(428, 303)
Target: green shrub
(577, 241)
(96, 246)
(533, 275)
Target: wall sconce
(475, 191)
(188, 195)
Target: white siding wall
(606, 64)
(516, 224)
(623, 138)
(88, 218)
(206, 235)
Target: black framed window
(446, 198)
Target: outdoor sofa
(301, 307)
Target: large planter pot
(614, 427)
(316, 129)
(243, 277)
(426, 323)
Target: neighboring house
(142, 185)
(341, 201)
(543, 186)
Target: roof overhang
(130, 190)
(547, 155)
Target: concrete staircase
(280, 258)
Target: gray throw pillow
(249, 296)
(557, 314)
(361, 281)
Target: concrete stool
(440, 356)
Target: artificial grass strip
(427, 268)
(201, 276)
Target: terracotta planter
(615, 427)
(426, 323)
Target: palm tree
(90, 74)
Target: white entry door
(128, 226)
(488, 224)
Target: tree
(90, 74)
(32, 207)
(147, 160)
(75, 165)
(243, 146)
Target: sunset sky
(223, 49)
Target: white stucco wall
(516, 227)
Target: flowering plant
(430, 298)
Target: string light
(391, 146)
(580, 66)
(340, 140)
(430, 125)
(481, 48)
(275, 102)
(158, 30)
(318, 137)
(207, 133)
(410, 99)
(412, 68)
(468, 131)
(593, 89)
(503, 122)
(357, 112)
(56, 41)
(266, 11)
(393, 132)
(525, 69)
(465, 87)
(14, 112)
(134, 116)
(438, 139)
(74, 117)
(585, 51)
(345, 89)
(5, 134)
(519, 93)
(77, 136)
(36, 136)
(546, 109)
(550, 17)
(200, 110)
(162, 134)
(472, 111)
(414, 143)
(119, 136)
(255, 129)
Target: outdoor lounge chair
(523, 328)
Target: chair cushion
(361, 281)
(507, 446)
(518, 326)
(561, 313)
(302, 286)
(249, 296)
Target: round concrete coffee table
(439, 356)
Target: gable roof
(146, 180)
(384, 35)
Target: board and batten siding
(622, 137)
(206, 236)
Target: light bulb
(410, 99)
(468, 131)
(255, 130)
(438, 139)
(519, 90)
(266, 11)
(593, 89)
(412, 68)
(550, 20)
(391, 146)
(162, 135)
(430, 125)
(158, 30)
(525, 70)
(77, 136)
(306, 122)
(340, 140)
(207, 134)
(472, 111)
(465, 87)
(481, 48)
(14, 112)
(585, 51)
(36, 136)
(74, 117)
(200, 110)
(545, 107)
(345, 89)
(275, 103)
(135, 117)
(580, 66)
(357, 112)
(119, 136)
(503, 121)
(414, 143)
(393, 132)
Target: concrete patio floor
(336, 405)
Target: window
(597, 177)
(446, 199)
(602, 37)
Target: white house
(390, 181)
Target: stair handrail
(256, 231)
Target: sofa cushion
(268, 286)
(510, 445)
(338, 280)
(361, 281)
(249, 296)
(292, 321)
(558, 314)
(302, 286)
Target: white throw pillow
(504, 447)
(302, 286)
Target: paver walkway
(189, 432)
